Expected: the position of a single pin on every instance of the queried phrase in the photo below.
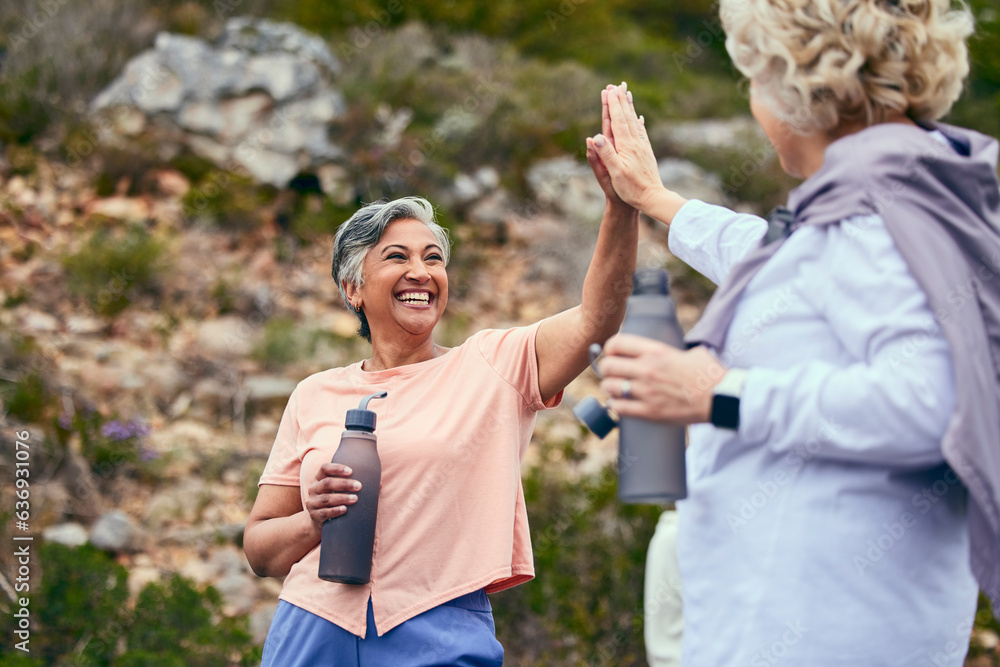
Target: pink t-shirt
(451, 436)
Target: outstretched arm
(562, 340)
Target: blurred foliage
(985, 623)
(281, 344)
(979, 106)
(23, 114)
(444, 86)
(619, 39)
(59, 55)
(25, 389)
(80, 615)
(748, 172)
(80, 603)
(673, 55)
(585, 604)
(177, 625)
(115, 266)
(229, 200)
(124, 171)
(110, 444)
(313, 216)
(437, 104)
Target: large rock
(568, 186)
(68, 534)
(268, 390)
(115, 532)
(690, 180)
(715, 133)
(258, 100)
(226, 337)
(181, 503)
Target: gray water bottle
(348, 540)
(651, 467)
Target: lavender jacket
(942, 209)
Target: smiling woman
(451, 524)
(415, 237)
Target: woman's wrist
(620, 212)
(310, 530)
(662, 204)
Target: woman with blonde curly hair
(842, 390)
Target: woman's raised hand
(331, 493)
(625, 151)
(600, 171)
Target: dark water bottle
(651, 467)
(348, 540)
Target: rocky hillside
(150, 341)
(164, 268)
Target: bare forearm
(563, 339)
(273, 546)
(662, 205)
(609, 278)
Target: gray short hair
(362, 232)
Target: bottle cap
(361, 418)
(651, 281)
(595, 416)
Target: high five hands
(625, 151)
(646, 378)
(607, 137)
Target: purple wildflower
(115, 430)
(118, 430)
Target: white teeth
(415, 298)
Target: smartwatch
(726, 399)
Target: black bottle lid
(595, 416)
(363, 419)
(651, 281)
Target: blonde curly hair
(822, 63)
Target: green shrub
(24, 114)
(26, 393)
(116, 266)
(585, 604)
(223, 296)
(111, 445)
(251, 476)
(177, 625)
(28, 398)
(60, 55)
(129, 167)
(194, 167)
(230, 200)
(748, 173)
(281, 343)
(314, 216)
(81, 616)
(81, 605)
(979, 106)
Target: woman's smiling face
(405, 281)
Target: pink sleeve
(283, 464)
(511, 353)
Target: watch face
(726, 411)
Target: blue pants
(458, 633)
